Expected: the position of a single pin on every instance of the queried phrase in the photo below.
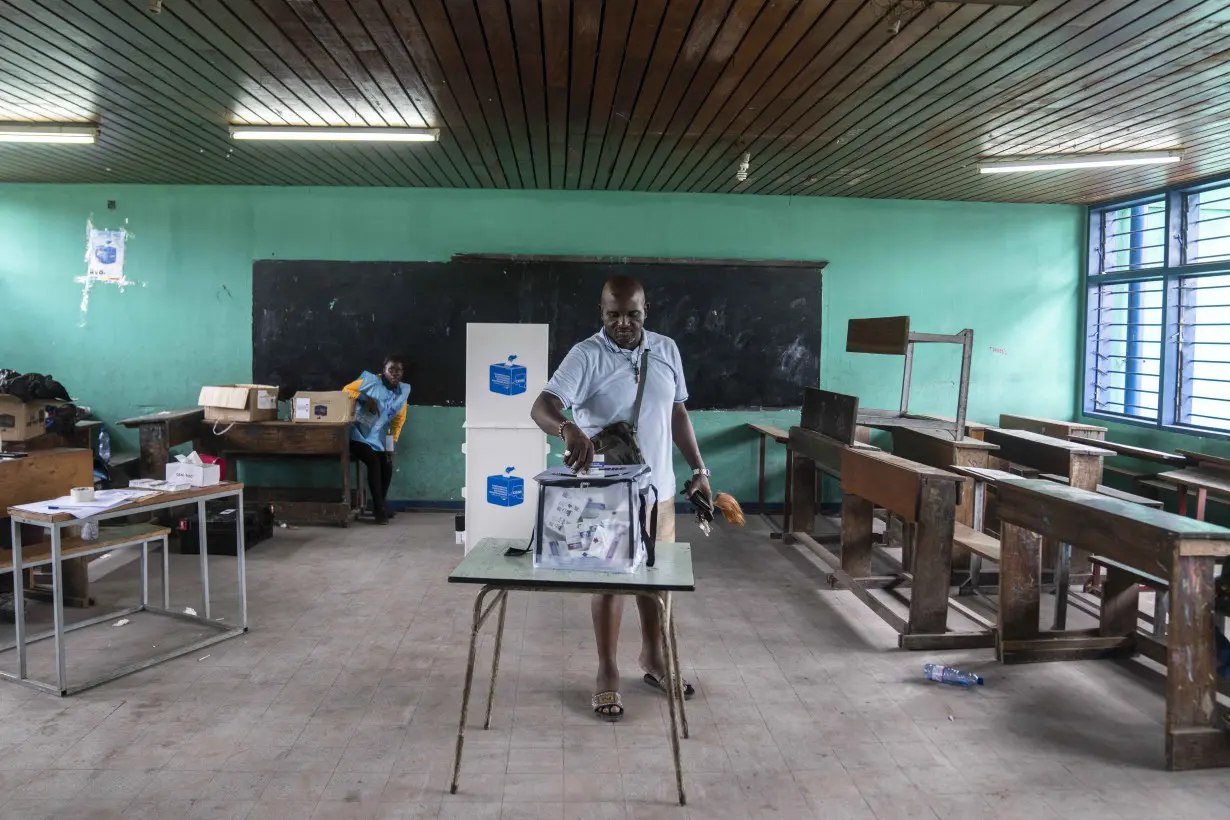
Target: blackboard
(749, 333)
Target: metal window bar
(1137, 217)
(1189, 316)
(1135, 211)
(1134, 231)
(1107, 408)
(1198, 197)
(1131, 373)
(1207, 220)
(1213, 257)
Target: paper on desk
(103, 500)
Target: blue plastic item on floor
(947, 674)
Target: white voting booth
(506, 368)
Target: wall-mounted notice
(104, 256)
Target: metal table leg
(495, 660)
(166, 573)
(204, 548)
(480, 617)
(975, 560)
(1161, 606)
(144, 574)
(57, 605)
(672, 690)
(19, 600)
(241, 558)
(674, 652)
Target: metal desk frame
(670, 641)
(60, 630)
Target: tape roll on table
(82, 493)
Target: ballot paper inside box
(593, 521)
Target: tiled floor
(342, 703)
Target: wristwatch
(701, 471)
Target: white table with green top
(489, 565)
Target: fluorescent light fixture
(47, 132)
(331, 134)
(1068, 162)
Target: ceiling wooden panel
(828, 97)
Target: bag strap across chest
(640, 389)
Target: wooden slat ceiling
(650, 95)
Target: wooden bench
(976, 542)
(38, 553)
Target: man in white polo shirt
(598, 381)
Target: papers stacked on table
(103, 500)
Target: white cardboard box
(198, 475)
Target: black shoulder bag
(617, 442)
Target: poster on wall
(104, 256)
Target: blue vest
(370, 427)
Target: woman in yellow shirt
(380, 412)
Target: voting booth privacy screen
(506, 368)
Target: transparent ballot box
(598, 520)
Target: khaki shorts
(666, 522)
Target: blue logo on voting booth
(508, 379)
(505, 490)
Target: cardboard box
(198, 475)
(239, 402)
(22, 421)
(334, 407)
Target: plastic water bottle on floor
(104, 446)
(947, 674)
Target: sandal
(657, 683)
(608, 705)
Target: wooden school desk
(284, 440)
(1175, 548)
(1052, 427)
(487, 565)
(937, 449)
(158, 432)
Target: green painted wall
(1009, 271)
